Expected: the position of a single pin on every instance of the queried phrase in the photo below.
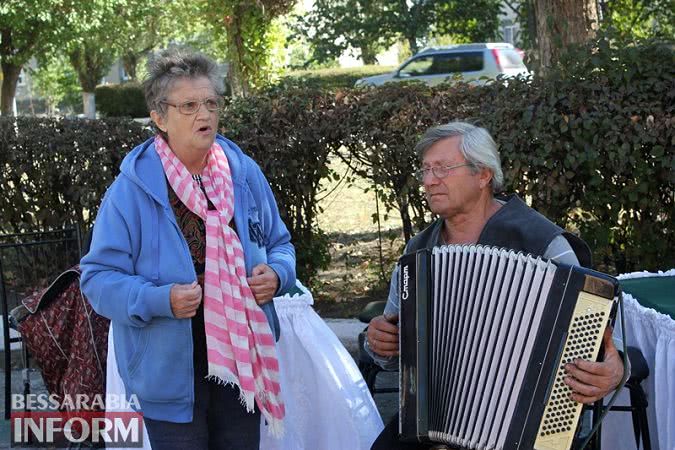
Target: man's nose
(430, 179)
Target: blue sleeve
(280, 250)
(108, 279)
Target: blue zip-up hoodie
(138, 252)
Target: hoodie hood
(143, 167)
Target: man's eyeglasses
(438, 171)
(190, 107)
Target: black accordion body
(484, 335)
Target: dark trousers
(219, 422)
(388, 439)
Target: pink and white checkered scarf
(240, 343)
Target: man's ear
(484, 177)
(158, 119)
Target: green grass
(347, 208)
(334, 78)
(356, 274)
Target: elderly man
(461, 171)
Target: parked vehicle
(463, 62)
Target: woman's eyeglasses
(190, 107)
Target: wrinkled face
(189, 134)
(459, 191)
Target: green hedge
(55, 171)
(591, 146)
(121, 100)
(290, 136)
(329, 79)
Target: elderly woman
(187, 253)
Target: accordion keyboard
(558, 424)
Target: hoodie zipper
(186, 251)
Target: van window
(444, 63)
(458, 62)
(416, 67)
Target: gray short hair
(173, 65)
(477, 147)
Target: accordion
(484, 335)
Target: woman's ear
(159, 120)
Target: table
(655, 292)
(649, 308)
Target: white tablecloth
(654, 334)
(328, 406)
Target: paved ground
(347, 331)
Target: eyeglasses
(191, 107)
(438, 171)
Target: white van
(467, 62)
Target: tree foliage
(631, 19)
(56, 81)
(475, 21)
(126, 29)
(369, 26)
(244, 32)
(29, 28)
(335, 26)
(143, 26)
(640, 18)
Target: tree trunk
(90, 64)
(130, 61)
(10, 79)
(368, 55)
(89, 104)
(405, 219)
(236, 51)
(412, 42)
(561, 23)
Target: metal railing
(29, 262)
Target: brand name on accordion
(406, 278)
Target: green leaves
(54, 172)
(370, 26)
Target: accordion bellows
(485, 333)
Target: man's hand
(591, 381)
(185, 299)
(264, 283)
(383, 335)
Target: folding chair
(369, 368)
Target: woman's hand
(264, 283)
(185, 299)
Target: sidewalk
(347, 330)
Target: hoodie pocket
(140, 347)
(164, 369)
